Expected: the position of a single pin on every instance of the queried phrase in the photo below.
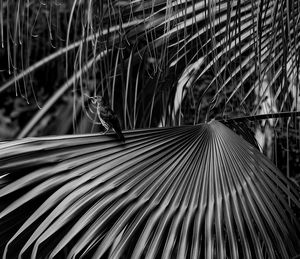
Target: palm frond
(182, 192)
(150, 44)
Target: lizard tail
(120, 135)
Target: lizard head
(97, 99)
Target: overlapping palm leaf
(183, 192)
(141, 49)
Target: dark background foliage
(138, 74)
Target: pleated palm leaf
(181, 192)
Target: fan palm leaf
(182, 192)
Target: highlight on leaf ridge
(181, 192)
